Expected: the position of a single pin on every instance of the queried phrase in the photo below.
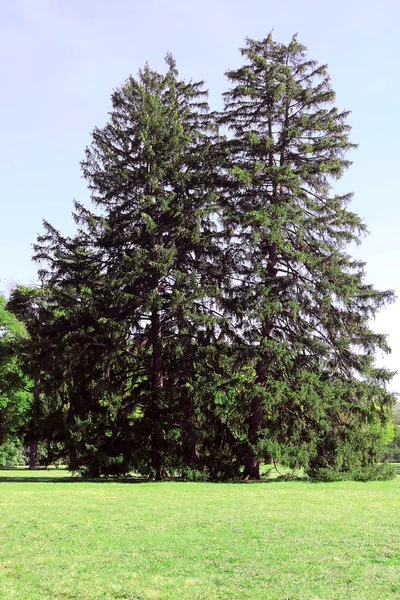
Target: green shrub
(375, 472)
(192, 474)
(378, 472)
(326, 474)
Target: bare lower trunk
(2, 429)
(33, 455)
(158, 435)
(189, 437)
(252, 461)
(33, 449)
(188, 427)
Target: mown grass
(68, 539)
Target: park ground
(65, 538)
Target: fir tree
(298, 297)
(208, 313)
(148, 259)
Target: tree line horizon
(206, 316)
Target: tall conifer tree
(148, 259)
(207, 261)
(299, 298)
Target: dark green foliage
(298, 297)
(136, 281)
(208, 316)
(370, 472)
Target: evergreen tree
(148, 260)
(299, 299)
(208, 314)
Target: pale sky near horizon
(60, 61)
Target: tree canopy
(14, 386)
(206, 316)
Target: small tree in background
(15, 392)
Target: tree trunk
(33, 449)
(252, 462)
(33, 455)
(2, 429)
(189, 434)
(157, 381)
(189, 437)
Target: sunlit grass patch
(70, 539)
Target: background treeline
(206, 317)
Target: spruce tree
(299, 299)
(148, 258)
(208, 313)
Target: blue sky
(60, 61)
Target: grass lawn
(61, 538)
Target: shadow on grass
(134, 480)
(69, 480)
(61, 475)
